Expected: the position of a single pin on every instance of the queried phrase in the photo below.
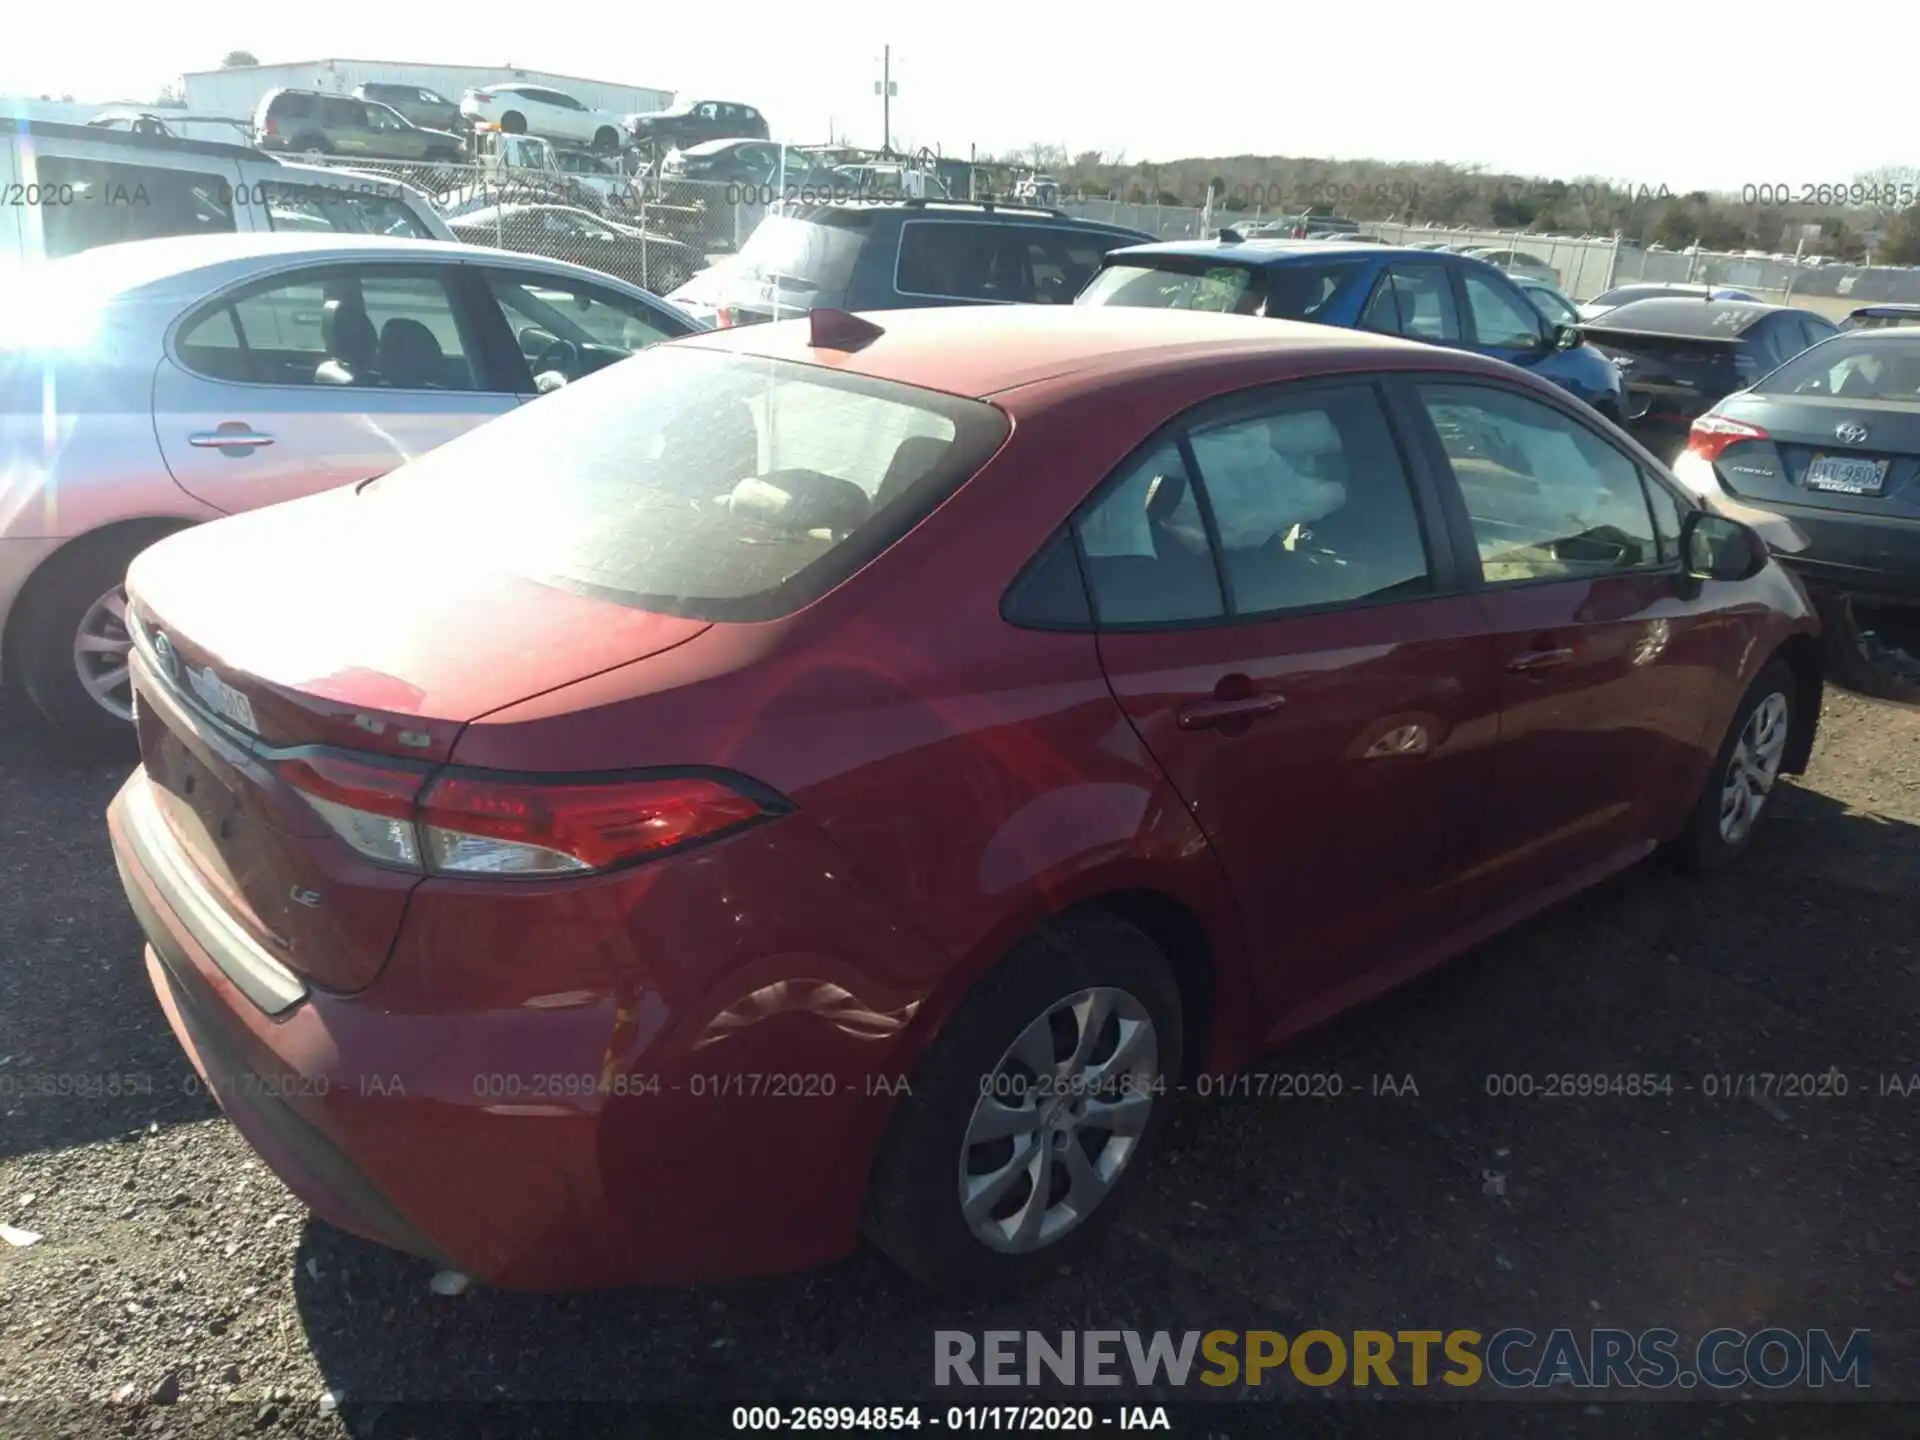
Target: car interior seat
(353, 345)
(410, 356)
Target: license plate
(1845, 476)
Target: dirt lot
(173, 1265)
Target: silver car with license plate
(157, 384)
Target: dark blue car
(1422, 294)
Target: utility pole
(886, 90)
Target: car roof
(1687, 315)
(195, 262)
(987, 350)
(950, 209)
(1891, 308)
(1261, 251)
(129, 139)
(727, 142)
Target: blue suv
(1443, 299)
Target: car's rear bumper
(1872, 556)
(693, 1124)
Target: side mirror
(1566, 337)
(1715, 548)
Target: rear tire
(1745, 772)
(1125, 986)
(76, 590)
(606, 139)
(513, 123)
(313, 146)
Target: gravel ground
(175, 1268)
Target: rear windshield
(803, 256)
(709, 485)
(1290, 292)
(1627, 293)
(1880, 368)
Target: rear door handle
(1205, 714)
(1539, 659)
(221, 439)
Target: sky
(1689, 94)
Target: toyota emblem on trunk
(1851, 433)
(163, 651)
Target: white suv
(536, 110)
(77, 187)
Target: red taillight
(468, 824)
(483, 97)
(723, 318)
(273, 126)
(485, 826)
(1712, 434)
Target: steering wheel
(557, 354)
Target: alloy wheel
(1058, 1119)
(101, 651)
(1753, 768)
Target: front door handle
(1528, 660)
(1205, 714)
(223, 437)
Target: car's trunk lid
(291, 627)
(1670, 377)
(1827, 453)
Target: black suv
(899, 255)
(693, 121)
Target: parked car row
(389, 121)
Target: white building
(237, 91)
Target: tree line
(1877, 211)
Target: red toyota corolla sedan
(821, 778)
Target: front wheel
(1744, 773)
(1038, 1103)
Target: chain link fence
(652, 234)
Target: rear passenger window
(1415, 301)
(1312, 505)
(117, 202)
(388, 331)
(958, 261)
(1146, 546)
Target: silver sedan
(152, 385)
